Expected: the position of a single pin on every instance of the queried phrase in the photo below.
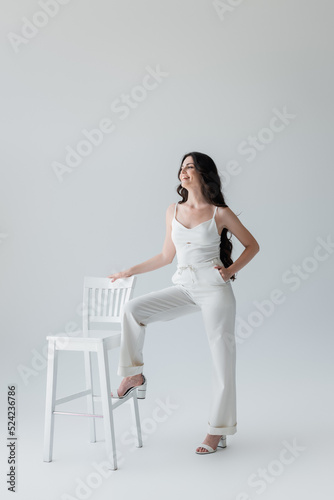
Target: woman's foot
(128, 382)
(211, 440)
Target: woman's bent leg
(161, 305)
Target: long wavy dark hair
(212, 192)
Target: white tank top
(197, 244)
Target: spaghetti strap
(175, 210)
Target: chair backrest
(103, 300)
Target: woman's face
(188, 174)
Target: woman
(196, 231)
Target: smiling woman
(202, 172)
(196, 231)
(199, 175)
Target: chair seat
(111, 339)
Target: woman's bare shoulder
(225, 215)
(171, 208)
(224, 211)
(170, 212)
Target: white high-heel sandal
(141, 390)
(221, 444)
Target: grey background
(226, 75)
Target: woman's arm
(162, 259)
(228, 219)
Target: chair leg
(51, 384)
(90, 401)
(109, 431)
(137, 418)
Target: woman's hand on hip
(224, 272)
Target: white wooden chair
(103, 302)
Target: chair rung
(73, 396)
(126, 399)
(115, 402)
(76, 414)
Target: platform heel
(222, 442)
(141, 389)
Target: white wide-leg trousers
(195, 289)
